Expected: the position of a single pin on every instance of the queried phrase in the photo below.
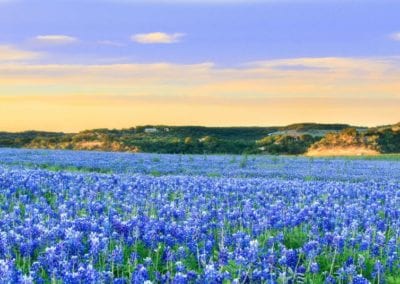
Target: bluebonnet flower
(289, 258)
(140, 274)
(26, 279)
(339, 242)
(5, 270)
(330, 280)
(311, 249)
(301, 269)
(351, 270)
(179, 266)
(359, 279)
(375, 250)
(180, 278)
(89, 227)
(364, 245)
(378, 271)
(314, 267)
(120, 281)
(191, 276)
(211, 275)
(117, 256)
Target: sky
(75, 65)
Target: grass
(385, 157)
(59, 168)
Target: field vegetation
(295, 139)
(94, 217)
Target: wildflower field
(90, 217)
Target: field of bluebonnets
(89, 217)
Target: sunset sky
(74, 65)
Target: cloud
(55, 39)
(310, 77)
(298, 67)
(157, 38)
(395, 36)
(10, 53)
(110, 43)
(357, 90)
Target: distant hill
(295, 139)
(22, 139)
(382, 128)
(313, 129)
(346, 142)
(304, 127)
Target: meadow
(92, 217)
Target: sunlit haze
(74, 65)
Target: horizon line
(204, 126)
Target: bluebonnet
(359, 279)
(314, 267)
(249, 224)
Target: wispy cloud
(395, 36)
(55, 39)
(10, 53)
(328, 77)
(110, 43)
(359, 90)
(157, 38)
(298, 67)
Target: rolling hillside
(301, 138)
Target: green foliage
(155, 173)
(59, 168)
(214, 175)
(293, 139)
(315, 126)
(243, 161)
(389, 141)
(295, 238)
(51, 198)
(286, 144)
